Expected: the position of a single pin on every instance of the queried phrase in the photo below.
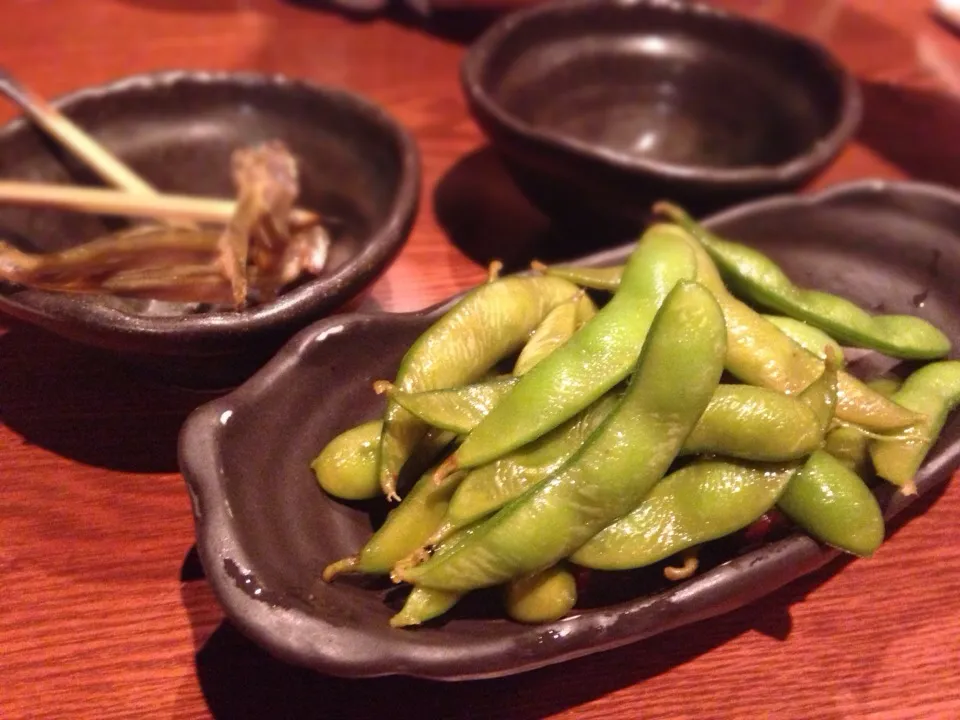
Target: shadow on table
(459, 26)
(484, 213)
(83, 405)
(915, 129)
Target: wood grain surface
(104, 612)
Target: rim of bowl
(817, 154)
(213, 330)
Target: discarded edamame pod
(933, 391)
(491, 322)
(542, 597)
(756, 277)
(406, 529)
(821, 395)
(603, 481)
(810, 338)
(701, 502)
(600, 355)
(832, 503)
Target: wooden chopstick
(115, 202)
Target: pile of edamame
(674, 415)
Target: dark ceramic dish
(601, 106)
(265, 531)
(358, 167)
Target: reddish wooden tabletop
(103, 609)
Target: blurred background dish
(358, 169)
(601, 107)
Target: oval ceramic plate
(265, 530)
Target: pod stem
(689, 567)
(538, 266)
(447, 468)
(347, 564)
(493, 271)
(383, 386)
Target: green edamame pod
(557, 327)
(754, 423)
(821, 395)
(848, 443)
(596, 358)
(699, 503)
(832, 503)
(457, 409)
(604, 480)
(756, 277)
(594, 278)
(542, 597)
(489, 487)
(406, 529)
(812, 339)
(347, 467)
(759, 353)
(933, 391)
(488, 324)
(425, 603)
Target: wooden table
(103, 609)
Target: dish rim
(814, 156)
(732, 584)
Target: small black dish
(359, 168)
(265, 530)
(600, 107)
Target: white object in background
(949, 12)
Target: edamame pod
(812, 339)
(557, 327)
(677, 373)
(597, 357)
(753, 423)
(542, 597)
(347, 466)
(832, 503)
(406, 529)
(488, 324)
(821, 395)
(489, 487)
(457, 409)
(758, 353)
(933, 391)
(756, 277)
(699, 503)
(594, 278)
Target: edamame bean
(677, 373)
(701, 502)
(490, 323)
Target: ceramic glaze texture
(264, 525)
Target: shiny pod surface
(250, 451)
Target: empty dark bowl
(600, 107)
(358, 168)
(265, 530)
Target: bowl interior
(179, 133)
(266, 530)
(666, 83)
